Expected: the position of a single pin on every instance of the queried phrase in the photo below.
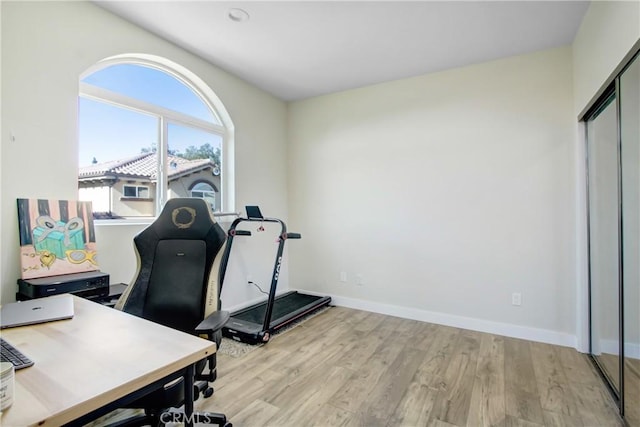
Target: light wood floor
(348, 367)
(610, 362)
(632, 391)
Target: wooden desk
(85, 363)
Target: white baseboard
(631, 350)
(498, 328)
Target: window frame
(224, 128)
(137, 188)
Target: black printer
(89, 284)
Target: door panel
(602, 140)
(630, 161)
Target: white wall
(446, 192)
(45, 48)
(608, 31)
(2, 136)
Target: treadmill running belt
(281, 307)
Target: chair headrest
(184, 218)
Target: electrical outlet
(359, 279)
(516, 298)
(343, 276)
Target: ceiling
(300, 49)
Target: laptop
(34, 311)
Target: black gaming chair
(177, 285)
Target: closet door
(604, 239)
(629, 91)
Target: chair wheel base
(208, 392)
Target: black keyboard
(9, 353)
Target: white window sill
(123, 221)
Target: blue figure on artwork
(58, 237)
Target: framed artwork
(56, 237)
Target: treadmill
(257, 323)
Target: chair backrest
(178, 260)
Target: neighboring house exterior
(127, 187)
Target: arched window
(205, 190)
(149, 130)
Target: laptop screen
(38, 310)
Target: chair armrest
(214, 322)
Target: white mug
(7, 384)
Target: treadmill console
(253, 212)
